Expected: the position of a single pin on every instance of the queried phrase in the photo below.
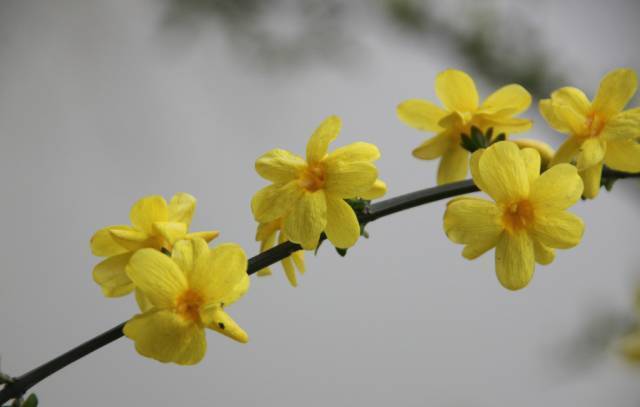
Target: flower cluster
(181, 285)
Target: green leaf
(31, 401)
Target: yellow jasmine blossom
(309, 195)
(154, 225)
(186, 293)
(544, 149)
(629, 344)
(600, 132)
(457, 92)
(268, 234)
(528, 218)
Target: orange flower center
(188, 305)
(312, 178)
(518, 216)
(595, 123)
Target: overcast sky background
(102, 103)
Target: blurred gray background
(103, 102)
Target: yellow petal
(181, 208)
(457, 91)
(475, 222)
(548, 112)
(420, 114)
(289, 271)
(504, 173)
(133, 239)
(591, 178)
(319, 142)
(574, 98)
(170, 231)
(623, 126)
(207, 236)
(531, 160)
(143, 301)
(475, 170)
(159, 277)
(558, 228)
(307, 220)
(103, 244)
(454, 165)
(623, 155)
(378, 190)
(434, 147)
(359, 151)
(342, 227)
(221, 322)
(221, 275)
(574, 120)
(567, 151)
(298, 260)
(280, 166)
(616, 90)
(274, 201)
(166, 337)
(557, 188)
(544, 255)
(148, 210)
(592, 152)
(515, 260)
(508, 125)
(349, 179)
(265, 272)
(111, 276)
(630, 346)
(544, 150)
(185, 253)
(267, 230)
(509, 100)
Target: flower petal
(349, 179)
(289, 271)
(567, 151)
(307, 219)
(359, 151)
(630, 346)
(170, 231)
(544, 255)
(133, 239)
(221, 322)
(280, 166)
(111, 276)
(616, 90)
(548, 112)
(509, 100)
(475, 170)
(181, 208)
(592, 152)
(318, 144)
(457, 91)
(508, 125)
(544, 150)
(378, 190)
(298, 260)
(572, 97)
(343, 228)
(559, 187)
(558, 228)
(148, 210)
(623, 155)
(221, 274)
(623, 126)
(434, 147)
(274, 201)
(420, 114)
(103, 244)
(166, 337)
(591, 178)
(186, 252)
(531, 160)
(454, 165)
(504, 173)
(475, 222)
(207, 235)
(159, 277)
(143, 301)
(515, 260)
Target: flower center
(188, 305)
(517, 216)
(595, 123)
(312, 178)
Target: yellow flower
(528, 219)
(629, 344)
(186, 293)
(457, 92)
(267, 234)
(310, 195)
(155, 225)
(600, 132)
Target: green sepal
(31, 401)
